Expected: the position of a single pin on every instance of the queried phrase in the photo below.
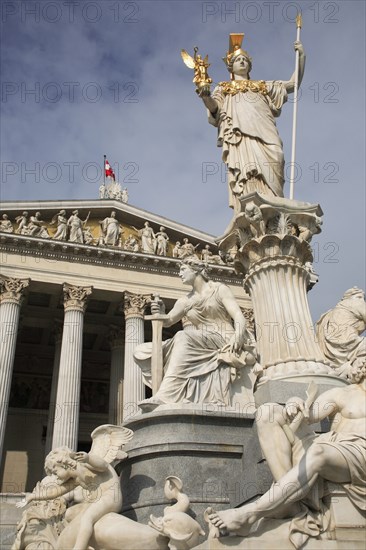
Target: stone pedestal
(347, 530)
(116, 342)
(68, 389)
(12, 291)
(215, 454)
(133, 386)
(279, 391)
(275, 260)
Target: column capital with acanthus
(135, 304)
(75, 297)
(12, 290)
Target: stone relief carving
(62, 228)
(339, 330)
(260, 216)
(302, 462)
(75, 230)
(255, 218)
(199, 365)
(186, 249)
(176, 249)
(210, 258)
(5, 224)
(76, 226)
(147, 236)
(111, 230)
(161, 242)
(131, 244)
(22, 222)
(36, 227)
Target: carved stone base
(297, 368)
(348, 530)
(216, 455)
(280, 390)
(273, 535)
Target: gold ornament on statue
(200, 66)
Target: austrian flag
(108, 170)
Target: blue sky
(107, 77)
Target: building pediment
(101, 230)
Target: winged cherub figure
(92, 478)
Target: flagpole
(294, 122)
(105, 156)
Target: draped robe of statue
(339, 331)
(196, 361)
(111, 231)
(247, 132)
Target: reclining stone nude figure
(300, 463)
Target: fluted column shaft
(66, 424)
(55, 376)
(277, 280)
(283, 320)
(133, 387)
(116, 341)
(12, 291)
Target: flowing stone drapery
(116, 339)
(11, 297)
(133, 386)
(55, 374)
(66, 424)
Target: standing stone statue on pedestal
(244, 112)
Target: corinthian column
(66, 424)
(133, 387)
(117, 344)
(11, 296)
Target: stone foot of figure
(238, 521)
(150, 404)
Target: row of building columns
(126, 385)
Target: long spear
(294, 122)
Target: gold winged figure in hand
(200, 66)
